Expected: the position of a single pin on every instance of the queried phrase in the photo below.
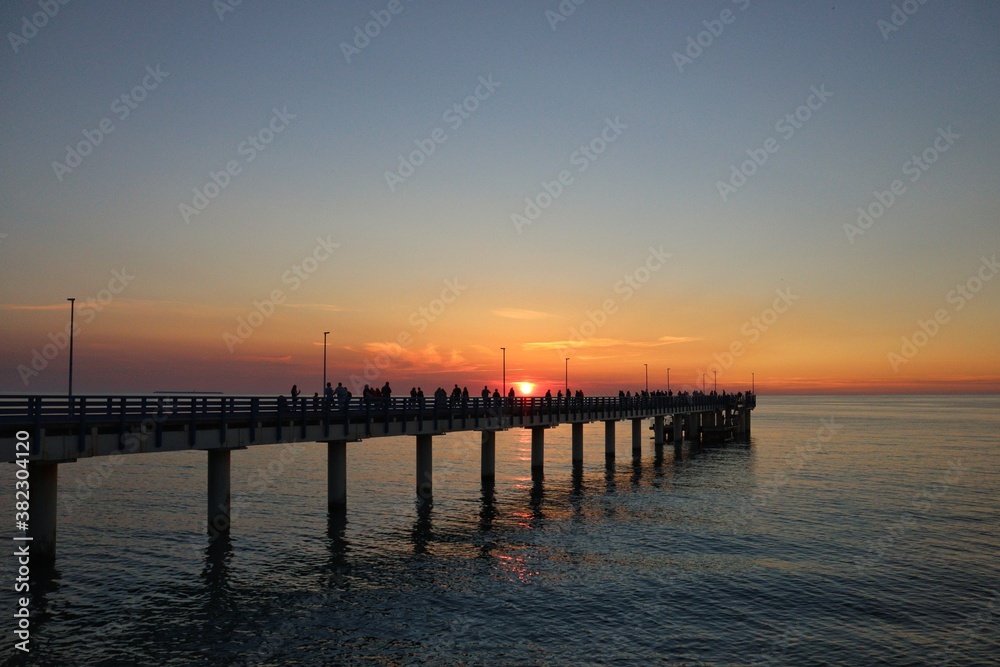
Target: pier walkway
(38, 433)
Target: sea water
(848, 531)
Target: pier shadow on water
(216, 570)
(422, 535)
(338, 565)
(488, 512)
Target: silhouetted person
(341, 393)
(295, 395)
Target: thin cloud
(121, 303)
(19, 306)
(606, 342)
(427, 359)
(315, 306)
(521, 314)
(269, 360)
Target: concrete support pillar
(636, 437)
(44, 480)
(609, 438)
(489, 455)
(658, 436)
(219, 491)
(746, 423)
(336, 473)
(678, 435)
(537, 447)
(577, 442)
(425, 467)
(695, 427)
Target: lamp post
(647, 377)
(503, 350)
(72, 312)
(668, 379)
(567, 377)
(715, 381)
(325, 334)
(703, 383)
(752, 390)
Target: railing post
(302, 415)
(121, 422)
(193, 426)
(36, 437)
(159, 423)
(222, 422)
(81, 443)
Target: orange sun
(526, 388)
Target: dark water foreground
(851, 531)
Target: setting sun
(526, 388)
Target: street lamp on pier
(647, 377)
(504, 351)
(567, 376)
(72, 327)
(668, 379)
(325, 334)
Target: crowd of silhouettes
(340, 398)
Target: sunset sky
(664, 184)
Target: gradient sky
(646, 210)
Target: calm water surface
(849, 531)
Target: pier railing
(25, 411)
(75, 421)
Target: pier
(39, 433)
